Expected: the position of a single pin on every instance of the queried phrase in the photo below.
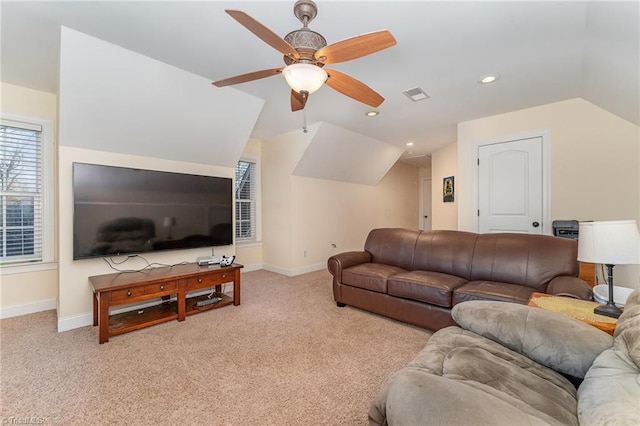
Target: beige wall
(304, 218)
(444, 163)
(594, 163)
(30, 288)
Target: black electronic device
(565, 228)
(120, 210)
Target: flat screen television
(123, 211)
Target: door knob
(535, 224)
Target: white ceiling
(544, 51)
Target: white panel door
(426, 205)
(510, 186)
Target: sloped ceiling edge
(335, 153)
(116, 100)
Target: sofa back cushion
(627, 334)
(392, 246)
(525, 259)
(610, 392)
(447, 252)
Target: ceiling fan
(305, 54)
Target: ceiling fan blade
(353, 88)
(243, 78)
(355, 47)
(298, 101)
(264, 33)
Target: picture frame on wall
(448, 189)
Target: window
(21, 192)
(245, 201)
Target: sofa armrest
(338, 262)
(570, 287)
(552, 339)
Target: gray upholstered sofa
(509, 364)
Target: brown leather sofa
(418, 276)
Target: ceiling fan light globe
(304, 77)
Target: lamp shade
(609, 242)
(304, 77)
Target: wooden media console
(171, 283)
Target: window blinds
(245, 201)
(21, 196)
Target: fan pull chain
(304, 121)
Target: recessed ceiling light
(409, 143)
(489, 78)
(371, 113)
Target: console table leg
(182, 300)
(236, 287)
(103, 321)
(95, 309)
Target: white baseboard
(251, 268)
(294, 272)
(74, 321)
(27, 308)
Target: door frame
(423, 182)
(546, 174)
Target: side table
(575, 308)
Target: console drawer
(170, 286)
(128, 293)
(209, 280)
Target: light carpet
(286, 356)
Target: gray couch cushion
(550, 338)
(610, 393)
(486, 383)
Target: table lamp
(610, 243)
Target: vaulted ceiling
(543, 51)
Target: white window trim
(47, 261)
(258, 179)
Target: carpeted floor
(286, 356)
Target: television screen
(118, 210)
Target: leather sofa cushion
(491, 290)
(370, 276)
(392, 246)
(529, 260)
(425, 286)
(449, 252)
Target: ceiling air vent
(416, 94)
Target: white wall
(23, 290)
(304, 215)
(594, 163)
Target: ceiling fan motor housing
(306, 42)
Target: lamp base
(608, 310)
